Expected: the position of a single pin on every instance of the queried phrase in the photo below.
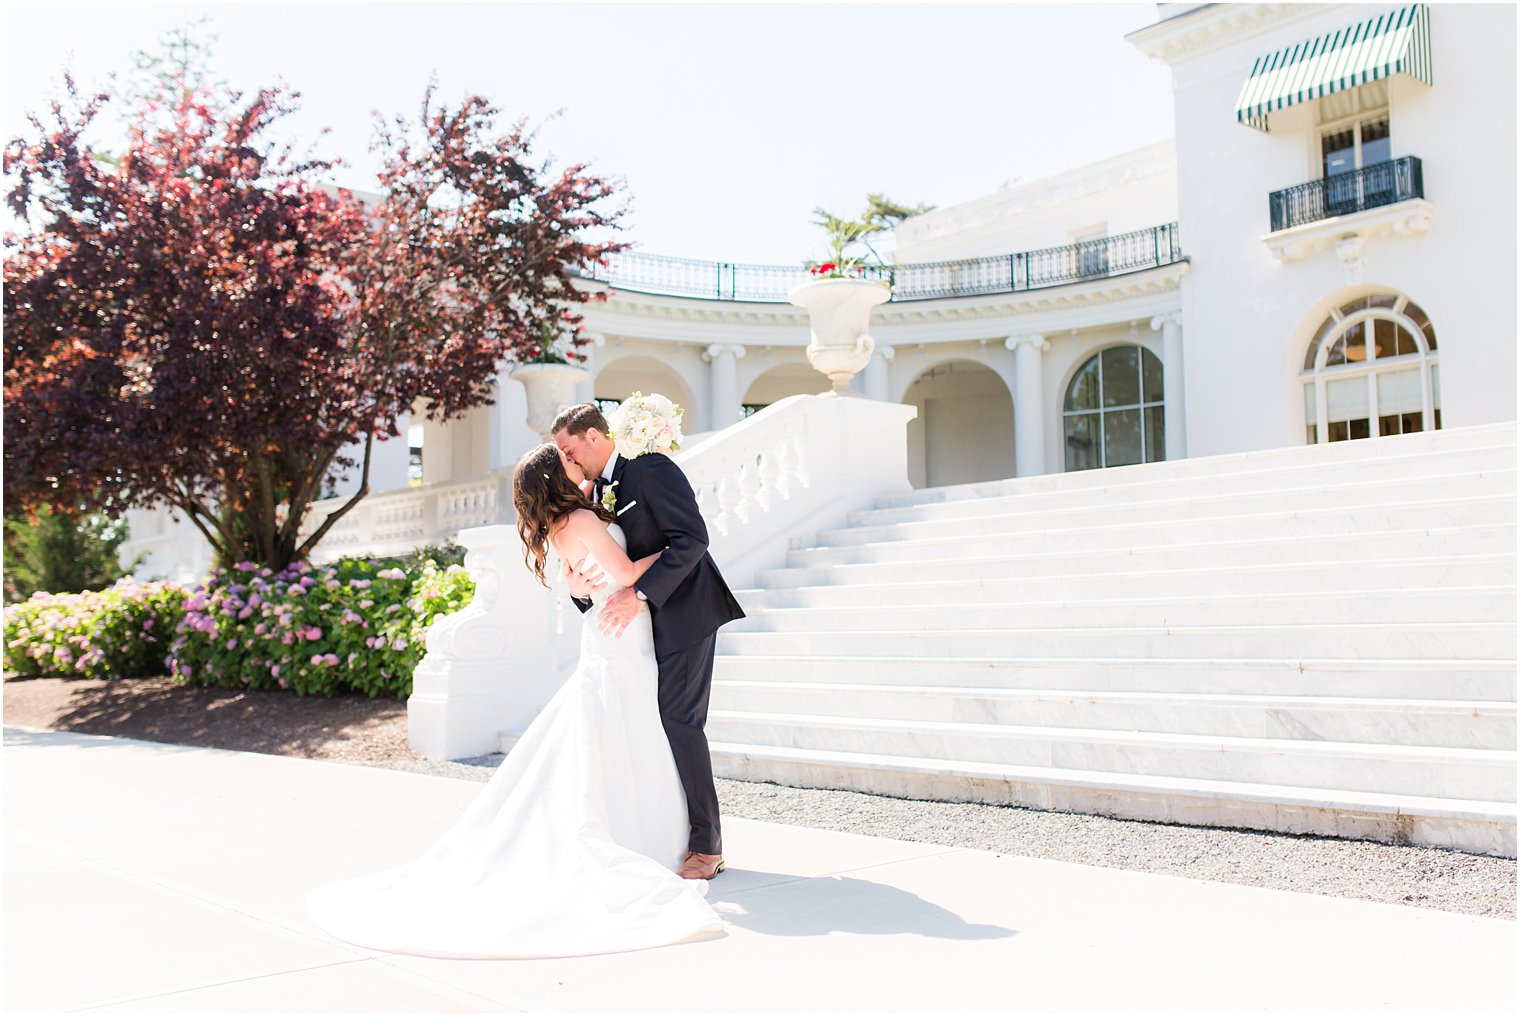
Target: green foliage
(880, 215)
(55, 552)
(440, 554)
(119, 632)
(353, 625)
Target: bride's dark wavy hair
(542, 495)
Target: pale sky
(728, 123)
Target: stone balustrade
(764, 485)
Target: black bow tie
(601, 485)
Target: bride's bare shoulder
(578, 521)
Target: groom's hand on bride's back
(584, 579)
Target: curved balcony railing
(929, 280)
(1382, 183)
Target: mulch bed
(346, 728)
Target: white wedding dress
(571, 848)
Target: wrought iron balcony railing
(930, 280)
(1384, 183)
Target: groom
(687, 597)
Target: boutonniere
(609, 497)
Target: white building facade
(1346, 184)
(1143, 308)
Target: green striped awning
(1397, 42)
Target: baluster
(801, 471)
(705, 500)
(769, 474)
(749, 486)
(786, 465)
(728, 501)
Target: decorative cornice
(1212, 27)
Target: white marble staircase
(1315, 640)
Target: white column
(874, 378)
(1170, 327)
(723, 400)
(1028, 404)
(389, 466)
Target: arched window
(1371, 370)
(1114, 414)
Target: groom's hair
(576, 420)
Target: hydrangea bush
(117, 632)
(352, 625)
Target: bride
(572, 847)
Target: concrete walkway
(146, 877)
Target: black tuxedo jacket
(688, 599)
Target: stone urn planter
(550, 387)
(839, 311)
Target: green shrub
(122, 631)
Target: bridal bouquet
(646, 423)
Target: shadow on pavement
(787, 905)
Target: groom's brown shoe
(701, 866)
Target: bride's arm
(586, 529)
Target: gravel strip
(1409, 876)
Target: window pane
(1121, 438)
(1413, 423)
(1346, 399)
(1311, 405)
(1399, 392)
(1083, 393)
(1356, 343)
(1384, 340)
(1338, 431)
(1376, 146)
(1338, 149)
(1319, 337)
(1121, 377)
(1337, 355)
(1082, 451)
(1155, 434)
(1417, 315)
(1359, 428)
(1150, 366)
(1388, 425)
(1407, 344)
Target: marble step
(1139, 532)
(1421, 452)
(998, 516)
(1425, 722)
(1477, 680)
(1488, 640)
(1488, 603)
(1416, 474)
(1308, 577)
(1484, 827)
(1335, 553)
(1456, 773)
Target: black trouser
(685, 686)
